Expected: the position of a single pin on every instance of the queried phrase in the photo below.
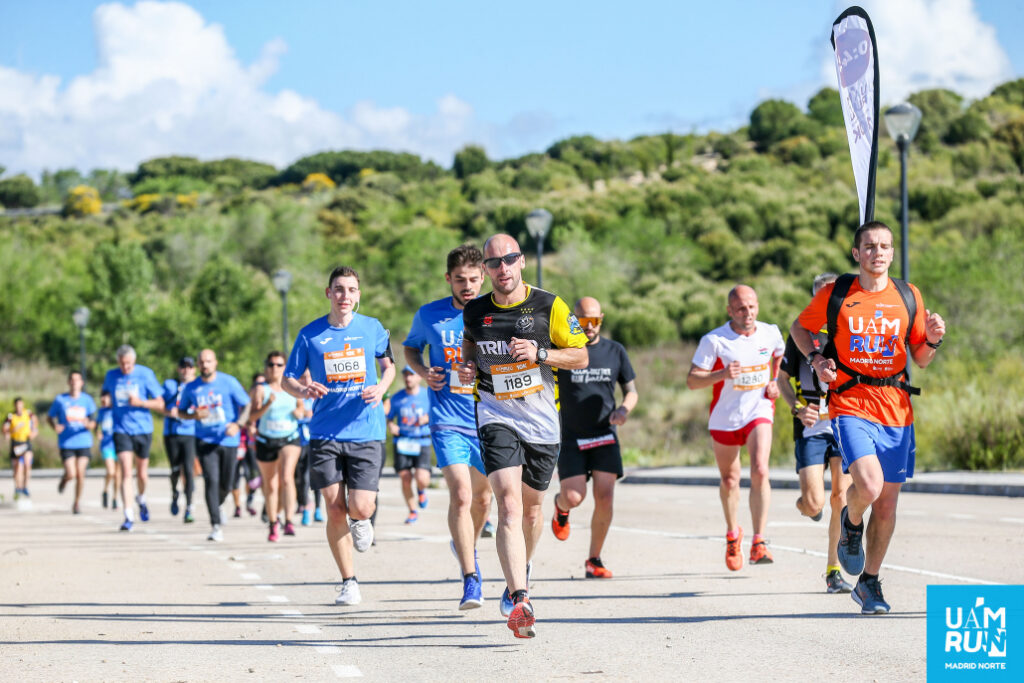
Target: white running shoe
(362, 534)
(349, 593)
(216, 534)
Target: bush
(18, 192)
(798, 150)
(773, 121)
(82, 201)
(317, 182)
(935, 201)
(470, 160)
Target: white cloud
(931, 44)
(168, 82)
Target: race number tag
(123, 393)
(214, 416)
(455, 385)
(21, 449)
(345, 366)
(751, 377)
(407, 446)
(278, 426)
(594, 442)
(515, 380)
(75, 413)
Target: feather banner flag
(853, 39)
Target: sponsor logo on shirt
(326, 339)
(488, 320)
(498, 348)
(524, 324)
(574, 324)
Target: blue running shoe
(143, 512)
(851, 548)
(306, 517)
(507, 605)
(127, 526)
(422, 499)
(472, 595)
(174, 504)
(868, 594)
(318, 515)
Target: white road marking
(291, 612)
(346, 671)
(251, 576)
(805, 551)
(236, 565)
(263, 587)
(307, 629)
(277, 598)
(1012, 520)
(959, 515)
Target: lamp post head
(538, 222)
(902, 121)
(282, 280)
(81, 317)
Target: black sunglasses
(507, 259)
(274, 365)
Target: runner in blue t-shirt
(452, 412)
(407, 420)
(347, 429)
(105, 430)
(219, 405)
(73, 416)
(135, 392)
(180, 438)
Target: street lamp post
(538, 222)
(282, 283)
(81, 318)
(902, 122)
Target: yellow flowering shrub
(83, 201)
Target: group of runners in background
(517, 385)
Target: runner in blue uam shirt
(135, 391)
(452, 413)
(220, 407)
(180, 438)
(407, 421)
(73, 415)
(347, 430)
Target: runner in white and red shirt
(741, 361)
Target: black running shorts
(136, 443)
(357, 464)
(267, 449)
(66, 453)
(502, 447)
(572, 461)
(408, 462)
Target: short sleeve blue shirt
(172, 399)
(73, 413)
(106, 419)
(343, 359)
(439, 326)
(224, 398)
(407, 409)
(140, 382)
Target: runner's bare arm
(298, 390)
(935, 330)
(256, 399)
(771, 391)
(824, 367)
(564, 359)
(373, 395)
(629, 399)
(467, 369)
(56, 426)
(699, 378)
(414, 359)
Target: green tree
(939, 108)
(167, 166)
(1011, 91)
(970, 127)
(773, 121)
(1010, 133)
(121, 275)
(826, 107)
(18, 192)
(469, 160)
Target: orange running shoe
(560, 522)
(521, 620)
(733, 553)
(596, 569)
(759, 553)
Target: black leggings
(218, 472)
(302, 480)
(181, 454)
(248, 465)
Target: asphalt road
(81, 601)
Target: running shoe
(189, 518)
(422, 499)
(273, 536)
(868, 594)
(472, 592)
(143, 512)
(75, 510)
(521, 620)
(216, 534)
(238, 512)
(17, 494)
(759, 553)
(127, 525)
(174, 505)
(349, 593)
(251, 510)
(412, 517)
(596, 569)
(488, 530)
(63, 482)
(506, 605)
(289, 529)
(817, 517)
(306, 518)
(362, 534)
(113, 503)
(318, 515)
(106, 500)
(851, 549)
(263, 516)
(835, 583)
(733, 552)
(560, 522)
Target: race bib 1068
(345, 366)
(515, 380)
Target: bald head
(499, 245)
(743, 309)
(506, 278)
(207, 363)
(741, 291)
(588, 311)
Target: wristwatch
(542, 355)
(795, 410)
(812, 354)
(935, 345)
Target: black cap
(186, 361)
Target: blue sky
(94, 85)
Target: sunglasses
(593, 321)
(275, 365)
(507, 259)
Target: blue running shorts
(815, 450)
(894, 446)
(455, 448)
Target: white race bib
(595, 441)
(455, 385)
(751, 377)
(407, 446)
(345, 366)
(515, 380)
(75, 414)
(278, 425)
(214, 416)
